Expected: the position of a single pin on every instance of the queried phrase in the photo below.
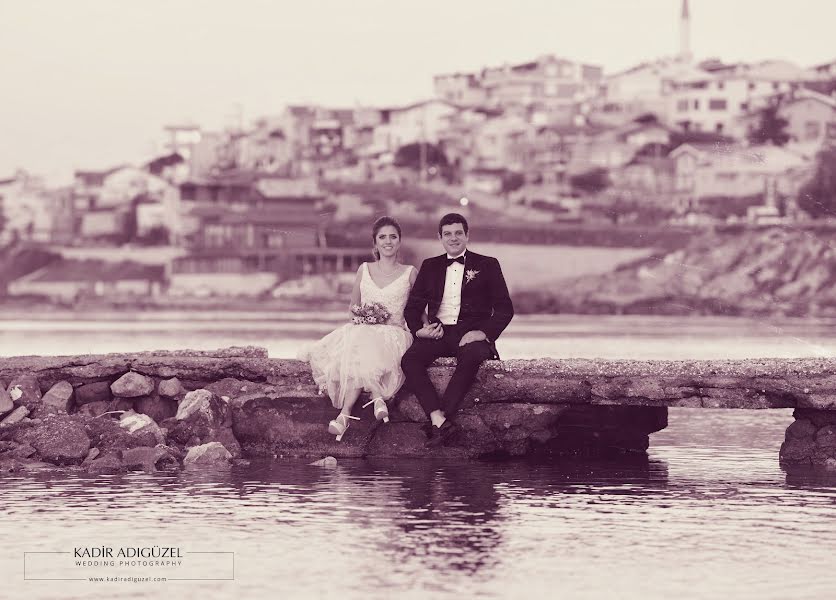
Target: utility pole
(422, 148)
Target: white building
(420, 122)
(708, 171)
(811, 119)
(463, 89)
(19, 199)
(30, 211)
(121, 186)
(182, 138)
(642, 89)
(547, 81)
(103, 201)
(720, 100)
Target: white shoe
(381, 411)
(338, 426)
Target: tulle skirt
(359, 356)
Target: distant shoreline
(319, 317)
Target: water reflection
(673, 524)
(447, 514)
(810, 478)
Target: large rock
(801, 428)
(132, 385)
(93, 409)
(59, 397)
(106, 435)
(212, 454)
(23, 451)
(60, 440)
(798, 450)
(25, 390)
(16, 416)
(107, 464)
(406, 440)
(819, 418)
(231, 387)
(205, 407)
(142, 425)
(203, 417)
(91, 456)
(408, 409)
(288, 426)
(6, 404)
(170, 388)
(148, 459)
(98, 391)
(826, 437)
(156, 407)
(120, 405)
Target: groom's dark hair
(452, 219)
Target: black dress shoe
(441, 435)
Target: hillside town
(533, 148)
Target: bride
(360, 357)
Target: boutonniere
(470, 274)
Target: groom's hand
(433, 331)
(473, 336)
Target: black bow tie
(458, 259)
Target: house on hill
(245, 232)
(711, 173)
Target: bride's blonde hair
(380, 224)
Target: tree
(592, 181)
(158, 235)
(129, 223)
(698, 137)
(647, 118)
(410, 156)
(512, 181)
(770, 128)
(818, 196)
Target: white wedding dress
(365, 356)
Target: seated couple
(456, 304)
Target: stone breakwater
(187, 409)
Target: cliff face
(773, 272)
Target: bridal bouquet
(370, 313)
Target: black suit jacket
(486, 304)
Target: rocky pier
(207, 409)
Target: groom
(468, 306)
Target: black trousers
(424, 351)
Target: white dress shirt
(451, 301)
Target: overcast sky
(90, 83)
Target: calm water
(709, 515)
(560, 336)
